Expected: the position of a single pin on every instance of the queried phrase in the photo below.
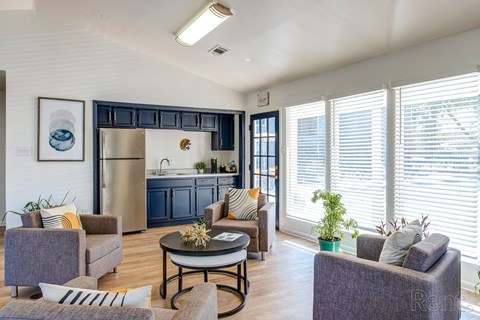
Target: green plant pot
(331, 246)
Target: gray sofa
(200, 304)
(261, 231)
(427, 286)
(34, 254)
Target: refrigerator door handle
(103, 160)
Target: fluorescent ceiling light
(210, 18)
(7, 5)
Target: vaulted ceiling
(270, 41)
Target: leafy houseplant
(40, 203)
(396, 225)
(330, 227)
(200, 166)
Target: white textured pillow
(61, 217)
(139, 297)
(242, 204)
(396, 246)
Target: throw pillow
(242, 204)
(139, 297)
(61, 217)
(396, 246)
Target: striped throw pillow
(139, 297)
(242, 204)
(64, 217)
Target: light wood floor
(281, 286)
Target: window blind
(437, 141)
(358, 156)
(305, 153)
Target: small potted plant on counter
(200, 166)
(331, 226)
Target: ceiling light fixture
(207, 20)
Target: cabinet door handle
(109, 115)
(114, 116)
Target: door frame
(257, 116)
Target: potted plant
(331, 226)
(200, 166)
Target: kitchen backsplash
(166, 143)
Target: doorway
(264, 156)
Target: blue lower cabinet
(205, 196)
(182, 203)
(158, 204)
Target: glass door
(264, 155)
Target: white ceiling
(271, 41)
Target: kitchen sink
(169, 174)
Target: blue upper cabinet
(104, 116)
(124, 117)
(190, 121)
(208, 122)
(224, 139)
(169, 120)
(147, 118)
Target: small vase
(331, 246)
(200, 170)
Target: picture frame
(61, 129)
(263, 99)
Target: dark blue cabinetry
(179, 201)
(169, 120)
(158, 204)
(224, 138)
(190, 121)
(208, 122)
(182, 202)
(104, 116)
(124, 117)
(147, 118)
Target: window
(437, 146)
(358, 155)
(433, 158)
(305, 152)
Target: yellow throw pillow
(63, 217)
(242, 204)
(138, 298)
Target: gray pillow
(396, 246)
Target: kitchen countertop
(190, 175)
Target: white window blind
(437, 141)
(358, 156)
(305, 153)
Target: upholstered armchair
(34, 254)
(426, 286)
(261, 231)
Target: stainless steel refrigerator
(122, 176)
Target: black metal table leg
(239, 276)
(180, 279)
(163, 286)
(205, 275)
(245, 280)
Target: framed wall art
(263, 99)
(61, 129)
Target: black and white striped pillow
(139, 297)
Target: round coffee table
(216, 255)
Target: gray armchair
(261, 231)
(34, 254)
(427, 286)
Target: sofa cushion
(32, 219)
(423, 255)
(396, 246)
(61, 217)
(250, 227)
(99, 245)
(36, 310)
(139, 297)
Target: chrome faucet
(161, 162)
